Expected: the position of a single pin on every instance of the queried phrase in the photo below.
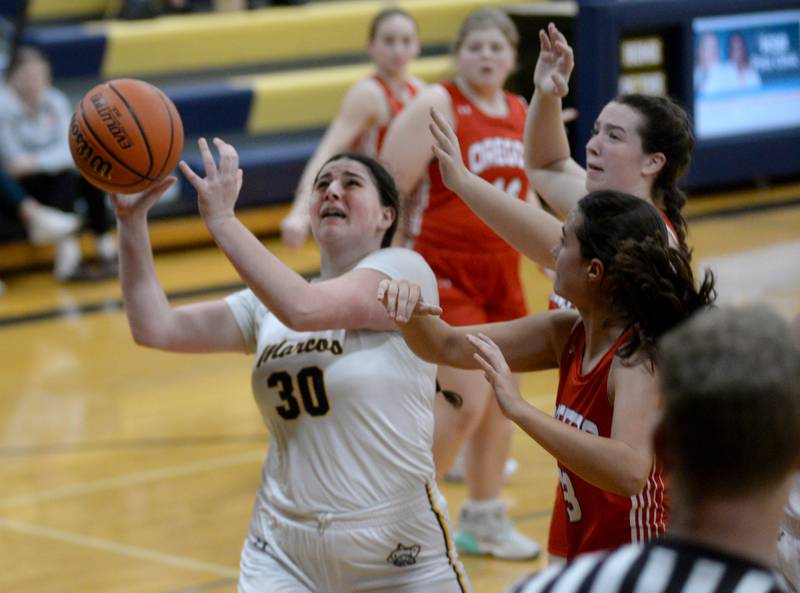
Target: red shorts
(477, 287)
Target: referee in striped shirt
(730, 436)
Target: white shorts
(789, 557)
(405, 548)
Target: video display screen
(746, 73)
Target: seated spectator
(34, 146)
(43, 224)
(730, 436)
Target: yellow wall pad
(311, 98)
(61, 9)
(213, 41)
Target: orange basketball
(125, 135)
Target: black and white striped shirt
(664, 566)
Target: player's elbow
(634, 479)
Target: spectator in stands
(43, 224)
(34, 119)
(730, 435)
(368, 108)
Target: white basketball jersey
(349, 412)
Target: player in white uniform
(789, 536)
(348, 500)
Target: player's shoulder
(395, 255)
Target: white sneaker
(48, 225)
(457, 473)
(484, 529)
(67, 259)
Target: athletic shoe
(484, 529)
(48, 225)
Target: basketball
(125, 136)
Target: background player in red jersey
(366, 110)
(478, 273)
(628, 287)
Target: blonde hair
(487, 18)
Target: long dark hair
(383, 181)
(652, 286)
(665, 129)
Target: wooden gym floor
(124, 470)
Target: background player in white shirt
(348, 500)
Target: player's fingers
(208, 159)
(488, 371)
(383, 285)
(228, 157)
(561, 86)
(412, 301)
(402, 301)
(391, 299)
(191, 176)
(544, 41)
(445, 127)
(567, 55)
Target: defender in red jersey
(366, 111)
(628, 287)
(478, 273)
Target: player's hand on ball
(448, 152)
(131, 205)
(218, 190)
(403, 299)
(497, 372)
(555, 63)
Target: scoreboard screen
(746, 73)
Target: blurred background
(130, 470)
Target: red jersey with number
(585, 517)
(370, 142)
(491, 147)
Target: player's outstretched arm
(201, 327)
(551, 169)
(523, 225)
(344, 302)
(528, 344)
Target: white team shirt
(349, 412)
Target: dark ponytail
(652, 287)
(666, 129)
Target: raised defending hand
(555, 63)
(131, 205)
(448, 151)
(497, 372)
(218, 190)
(403, 299)
(294, 230)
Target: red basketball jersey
(370, 142)
(586, 518)
(492, 148)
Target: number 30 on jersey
(311, 385)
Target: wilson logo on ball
(85, 152)
(110, 117)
